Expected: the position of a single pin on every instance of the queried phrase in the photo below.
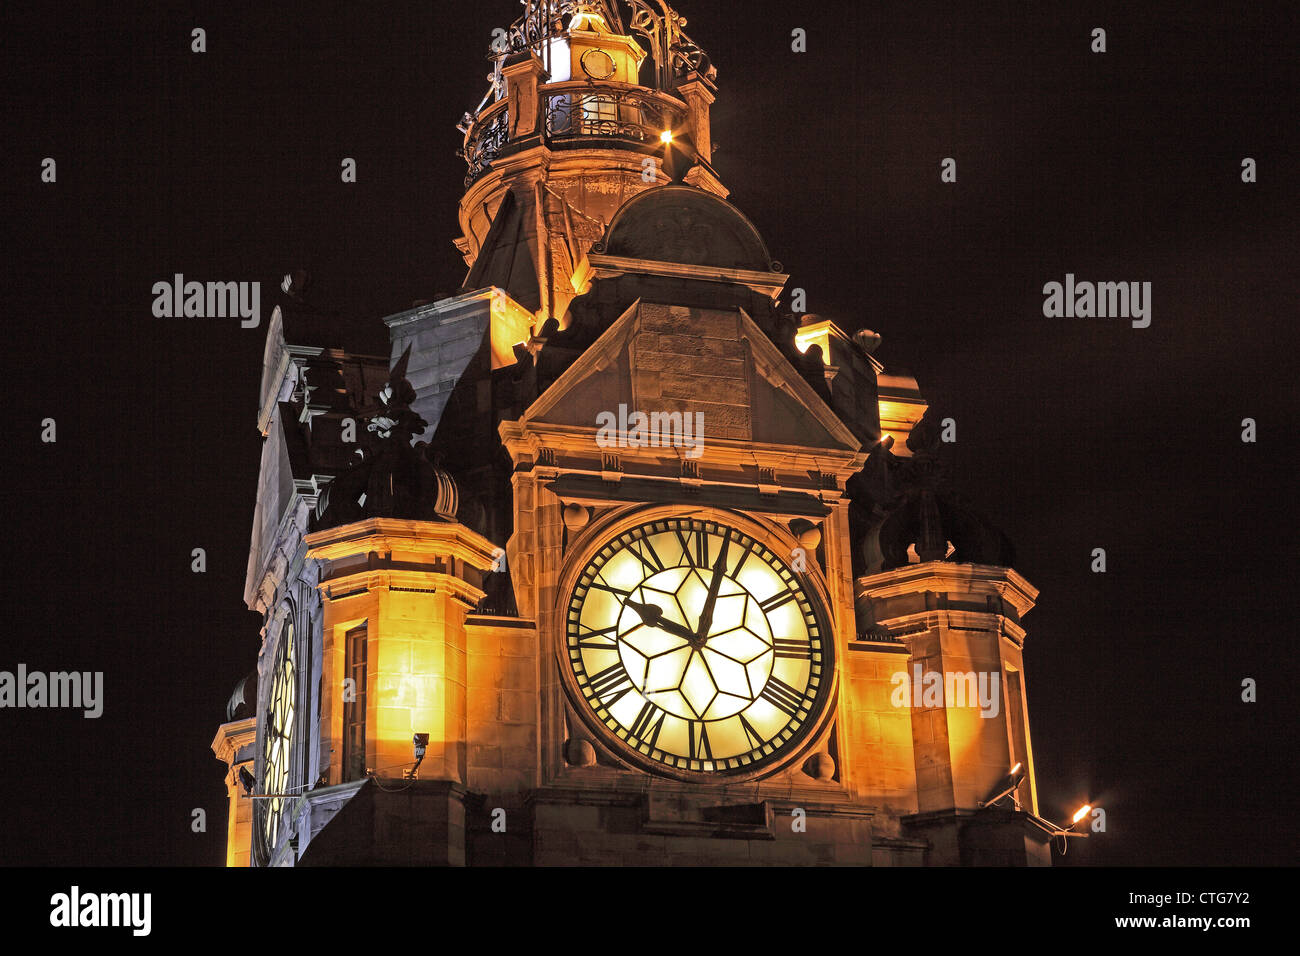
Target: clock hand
(706, 616)
(653, 616)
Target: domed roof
(688, 226)
(243, 699)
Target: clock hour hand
(719, 570)
(653, 616)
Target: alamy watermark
(36, 689)
(76, 909)
(1100, 300)
(208, 300)
(654, 430)
(922, 688)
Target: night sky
(1073, 434)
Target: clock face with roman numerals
(697, 647)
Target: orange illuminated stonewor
(621, 651)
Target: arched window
(279, 736)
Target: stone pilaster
(699, 94)
(411, 584)
(962, 685)
(523, 77)
(234, 746)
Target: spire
(590, 103)
(674, 55)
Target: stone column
(961, 626)
(524, 74)
(699, 94)
(411, 583)
(235, 745)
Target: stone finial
(867, 340)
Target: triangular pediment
(714, 362)
(275, 361)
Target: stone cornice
(942, 576)
(526, 439)
(233, 736)
(434, 539)
(596, 266)
(342, 586)
(396, 554)
(909, 626)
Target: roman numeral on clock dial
(700, 749)
(646, 554)
(602, 640)
(744, 556)
(755, 739)
(646, 724)
(782, 696)
(613, 680)
(791, 650)
(602, 586)
(695, 547)
(776, 600)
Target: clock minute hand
(653, 616)
(719, 570)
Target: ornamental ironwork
(634, 114)
(663, 28)
(572, 110)
(485, 141)
(624, 113)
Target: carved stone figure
(391, 478)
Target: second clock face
(696, 646)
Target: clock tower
(625, 563)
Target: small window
(354, 709)
(599, 116)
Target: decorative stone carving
(912, 507)
(391, 478)
(808, 535)
(820, 766)
(579, 753)
(576, 517)
(867, 340)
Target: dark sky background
(1072, 433)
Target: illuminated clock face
(279, 739)
(696, 646)
(598, 64)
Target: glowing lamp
(1006, 787)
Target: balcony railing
(574, 111)
(486, 139)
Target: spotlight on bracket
(1007, 786)
(1054, 831)
(421, 743)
